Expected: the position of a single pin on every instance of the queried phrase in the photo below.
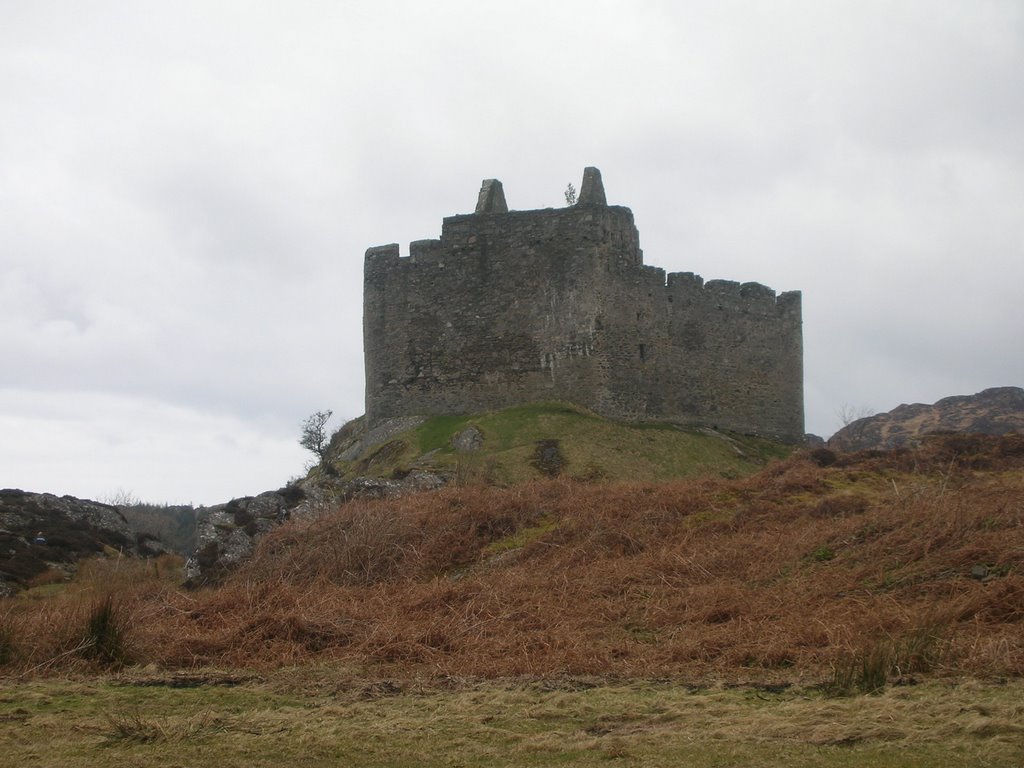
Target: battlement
(509, 306)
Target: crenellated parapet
(510, 306)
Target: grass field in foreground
(314, 717)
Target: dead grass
(91, 622)
(787, 575)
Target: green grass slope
(547, 439)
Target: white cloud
(92, 445)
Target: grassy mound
(548, 439)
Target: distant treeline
(173, 524)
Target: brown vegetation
(891, 564)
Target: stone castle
(510, 307)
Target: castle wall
(556, 304)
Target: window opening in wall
(642, 351)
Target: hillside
(43, 537)
(995, 411)
(504, 448)
(817, 568)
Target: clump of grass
(875, 668)
(520, 538)
(105, 637)
(920, 650)
(866, 672)
(823, 555)
(135, 728)
(138, 729)
(7, 650)
(870, 670)
(48, 577)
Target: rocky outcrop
(354, 440)
(996, 411)
(813, 441)
(40, 532)
(227, 533)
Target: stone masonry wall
(514, 306)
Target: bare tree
(314, 433)
(570, 194)
(120, 498)
(850, 413)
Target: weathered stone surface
(996, 411)
(557, 304)
(468, 440)
(362, 440)
(226, 533)
(813, 441)
(68, 529)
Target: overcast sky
(187, 190)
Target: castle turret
(492, 197)
(592, 188)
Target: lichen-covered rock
(813, 441)
(226, 533)
(354, 439)
(468, 440)
(996, 411)
(378, 487)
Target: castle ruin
(510, 307)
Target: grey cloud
(188, 191)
